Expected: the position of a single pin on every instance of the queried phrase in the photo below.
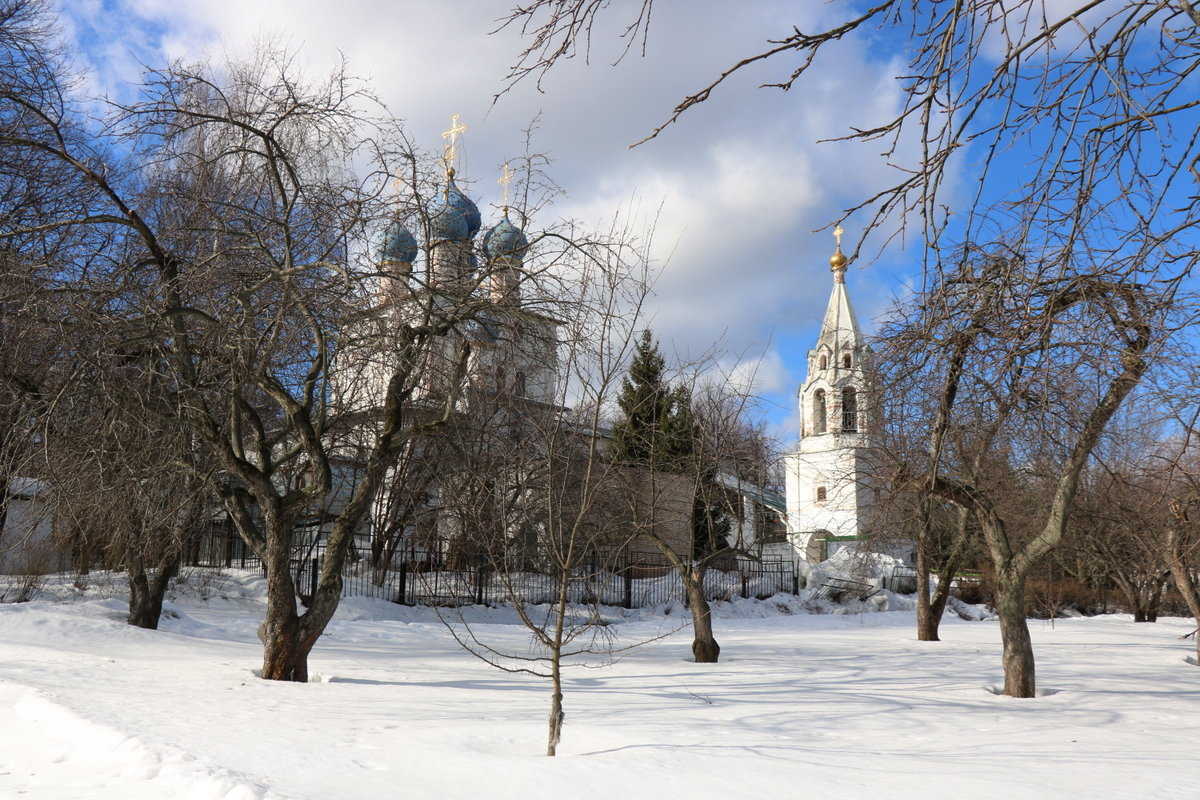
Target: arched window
(822, 494)
(519, 385)
(824, 362)
(849, 411)
(818, 420)
(846, 361)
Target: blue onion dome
(456, 218)
(505, 239)
(396, 244)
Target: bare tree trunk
(556, 708)
(1133, 598)
(941, 596)
(1156, 598)
(145, 593)
(927, 621)
(554, 730)
(3, 502)
(1019, 680)
(704, 645)
(1177, 552)
(284, 656)
(1144, 597)
(930, 609)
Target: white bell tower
(828, 493)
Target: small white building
(830, 493)
(25, 539)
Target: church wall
(657, 502)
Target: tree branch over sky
(1074, 124)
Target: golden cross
(451, 137)
(505, 178)
(837, 235)
(398, 184)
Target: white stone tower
(828, 493)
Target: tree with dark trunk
(1017, 392)
(1182, 546)
(655, 433)
(230, 226)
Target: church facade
(831, 496)
(509, 384)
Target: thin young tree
(531, 488)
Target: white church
(830, 494)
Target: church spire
(839, 329)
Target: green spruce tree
(654, 429)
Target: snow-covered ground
(801, 705)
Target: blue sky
(739, 185)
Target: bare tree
(529, 487)
(1120, 528)
(1035, 394)
(233, 237)
(129, 485)
(1182, 498)
(35, 255)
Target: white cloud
(741, 180)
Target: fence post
(402, 597)
(312, 581)
(795, 582)
(745, 578)
(479, 577)
(628, 577)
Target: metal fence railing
(629, 579)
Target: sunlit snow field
(801, 705)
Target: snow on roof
(19, 486)
(760, 495)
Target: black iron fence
(221, 546)
(630, 579)
(626, 579)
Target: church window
(849, 411)
(822, 494)
(519, 385)
(824, 362)
(846, 361)
(818, 421)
